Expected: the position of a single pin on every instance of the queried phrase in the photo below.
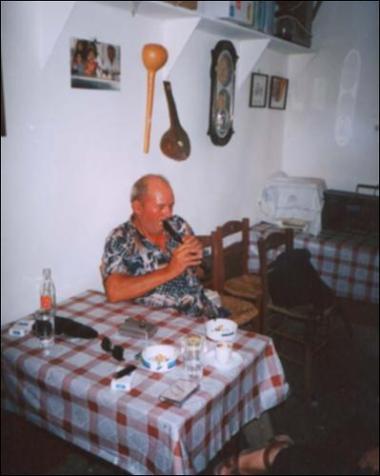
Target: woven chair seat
(242, 312)
(246, 286)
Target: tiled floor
(346, 395)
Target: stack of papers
(295, 223)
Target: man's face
(154, 207)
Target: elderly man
(142, 261)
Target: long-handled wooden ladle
(154, 57)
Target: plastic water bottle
(45, 315)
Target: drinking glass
(193, 347)
(44, 328)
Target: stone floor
(345, 403)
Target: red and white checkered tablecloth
(348, 264)
(68, 391)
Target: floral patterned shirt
(127, 251)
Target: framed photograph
(258, 91)
(278, 92)
(94, 65)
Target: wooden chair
(205, 270)
(242, 311)
(233, 278)
(304, 326)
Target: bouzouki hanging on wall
(175, 142)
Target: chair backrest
(231, 258)
(275, 242)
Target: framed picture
(278, 92)
(94, 65)
(258, 91)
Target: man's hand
(193, 241)
(188, 254)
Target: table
(68, 391)
(348, 263)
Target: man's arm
(122, 287)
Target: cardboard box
(190, 4)
(239, 11)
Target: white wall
(71, 156)
(333, 111)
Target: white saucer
(234, 361)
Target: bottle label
(46, 302)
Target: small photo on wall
(278, 92)
(258, 91)
(94, 65)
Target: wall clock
(223, 68)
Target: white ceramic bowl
(159, 358)
(221, 329)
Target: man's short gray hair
(140, 187)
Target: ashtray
(221, 329)
(159, 358)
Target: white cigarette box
(21, 328)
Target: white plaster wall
(71, 156)
(332, 114)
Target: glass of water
(44, 328)
(192, 350)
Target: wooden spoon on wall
(154, 57)
(175, 142)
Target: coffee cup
(223, 352)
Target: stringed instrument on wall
(175, 143)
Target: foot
(278, 443)
(228, 467)
(254, 462)
(370, 460)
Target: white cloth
(293, 198)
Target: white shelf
(219, 27)
(238, 32)
(251, 45)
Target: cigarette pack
(180, 391)
(138, 328)
(21, 328)
(122, 380)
